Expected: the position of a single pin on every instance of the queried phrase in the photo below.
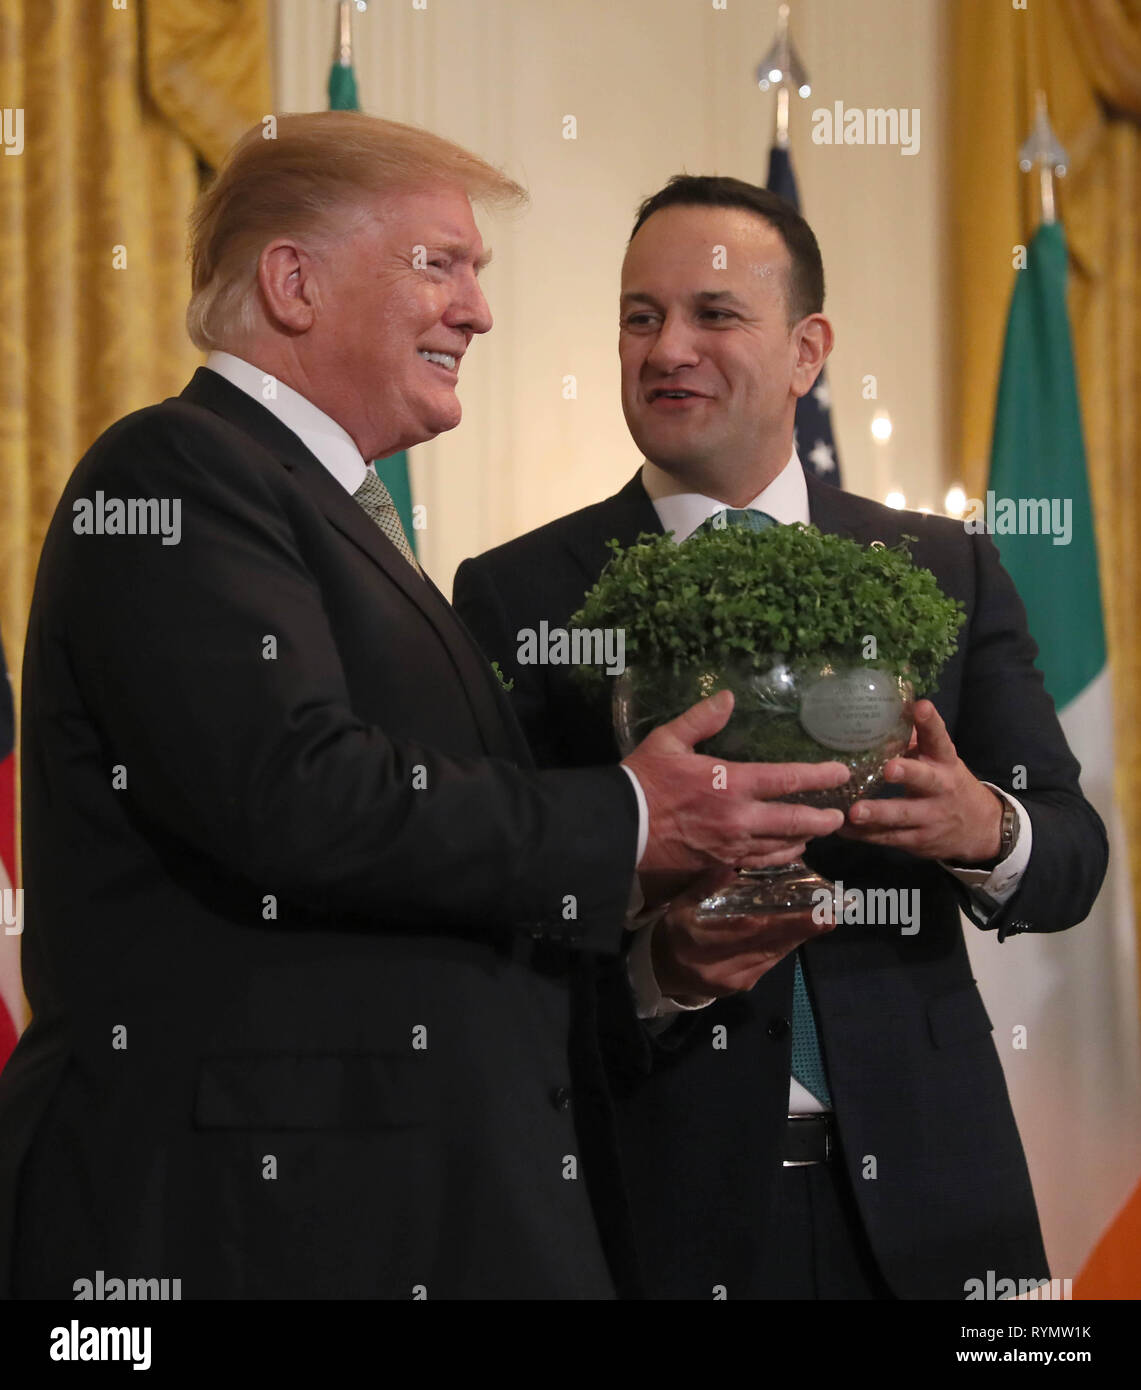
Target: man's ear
(814, 342)
(288, 285)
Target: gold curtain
(121, 100)
(1086, 56)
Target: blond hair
(310, 179)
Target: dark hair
(806, 277)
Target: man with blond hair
(301, 915)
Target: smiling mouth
(674, 395)
(441, 359)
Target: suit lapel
(495, 720)
(840, 513)
(486, 695)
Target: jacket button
(778, 1027)
(561, 1097)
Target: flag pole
(345, 33)
(1043, 148)
(342, 79)
(782, 70)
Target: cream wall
(656, 86)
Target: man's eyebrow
(452, 245)
(699, 297)
(718, 297)
(462, 250)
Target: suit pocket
(335, 1091)
(958, 1017)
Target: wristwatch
(1007, 836)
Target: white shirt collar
(320, 434)
(785, 499)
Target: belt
(808, 1139)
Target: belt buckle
(828, 1145)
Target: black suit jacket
(928, 1136)
(297, 905)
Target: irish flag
(1076, 1085)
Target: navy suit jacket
(926, 1128)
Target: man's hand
(706, 813)
(700, 959)
(947, 814)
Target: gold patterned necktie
(376, 501)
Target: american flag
(11, 993)
(814, 439)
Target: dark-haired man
(842, 1130)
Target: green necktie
(807, 1061)
(736, 516)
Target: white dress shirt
(320, 434)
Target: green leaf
(790, 589)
